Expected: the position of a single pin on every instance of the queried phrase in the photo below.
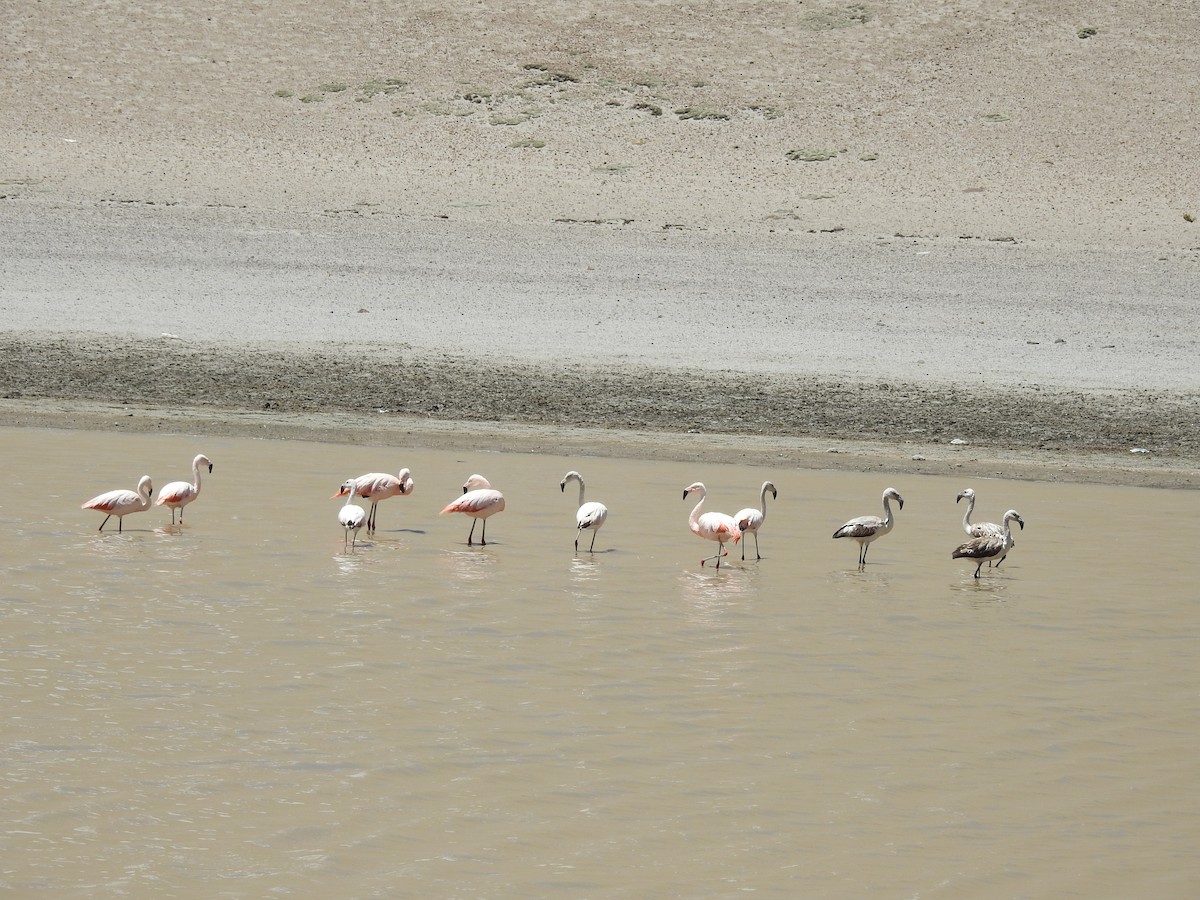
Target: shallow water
(240, 708)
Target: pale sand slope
(1004, 207)
(982, 119)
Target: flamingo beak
(342, 492)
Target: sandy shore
(956, 238)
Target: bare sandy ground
(927, 235)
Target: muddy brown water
(240, 708)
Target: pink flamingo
(376, 486)
(351, 516)
(751, 519)
(479, 500)
(866, 529)
(121, 503)
(712, 526)
(179, 494)
(590, 515)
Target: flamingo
(376, 486)
(978, 529)
(712, 526)
(988, 546)
(179, 494)
(866, 529)
(590, 515)
(479, 500)
(121, 503)
(351, 516)
(751, 519)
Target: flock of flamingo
(988, 542)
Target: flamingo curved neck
(967, 514)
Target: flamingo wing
(111, 500)
(591, 515)
(715, 526)
(377, 486)
(749, 519)
(175, 492)
(980, 547)
(482, 500)
(863, 526)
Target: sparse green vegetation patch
(529, 143)
(995, 117)
(374, 87)
(701, 112)
(846, 17)
(1086, 32)
(283, 93)
(767, 112)
(519, 118)
(548, 75)
(652, 108)
(811, 154)
(334, 87)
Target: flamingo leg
(471, 536)
(577, 530)
(105, 522)
(978, 567)
(757, 555)
(483, 534)
(593, 546)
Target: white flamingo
(351, 516)
(479, 501)
(866, 529)
(121, 503)
(989, 546)
(589, 515)
(179, 494)
(712, 526)
(376, 486)
(751, 519)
